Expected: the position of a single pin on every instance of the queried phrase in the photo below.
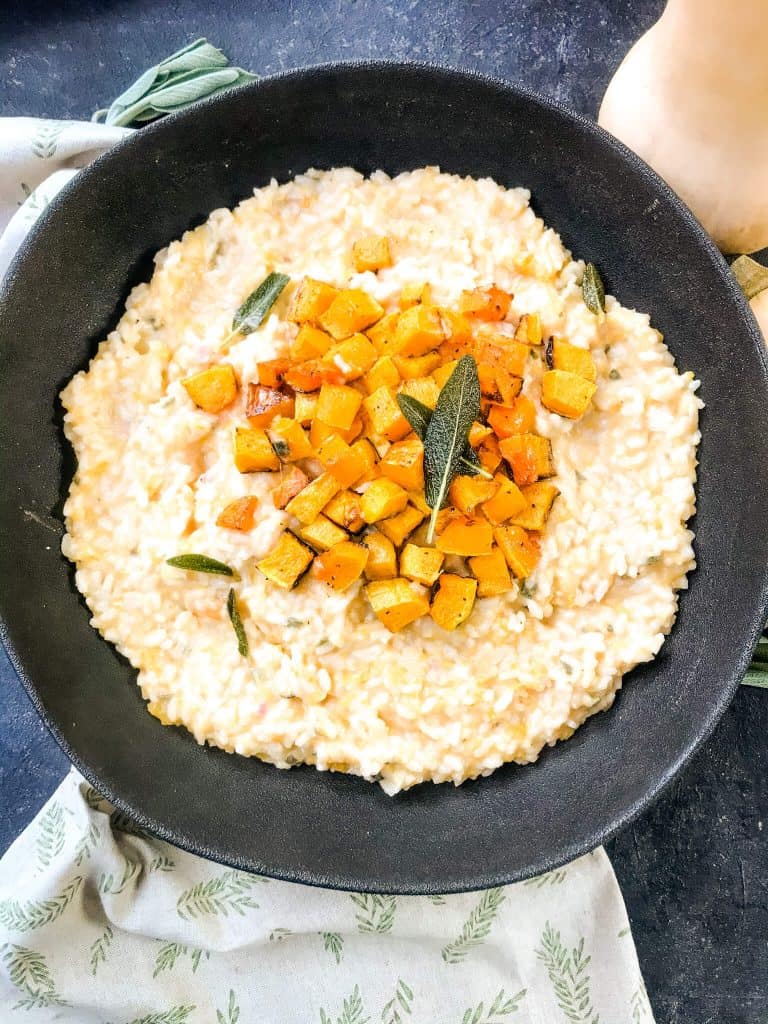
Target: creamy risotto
(345, 666)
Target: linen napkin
(103, 924)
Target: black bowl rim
(590, 128)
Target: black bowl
(65, 291)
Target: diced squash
(385, 416)
(213, 389)
(383, 374)
(270, 372)
(289, 439)
(417, 498)
(382, 333)
(419, 330)
(398, 527)
(422, 565)
(322, 534)
(352, 357)
(367, 453)
(311, 300)
(404, 463)
(521, 550)
(486, 375)
(239, 514)
(489, 454)
(382, 499)
(351, 311)
(540, 497)
(341, 565)
(448, 515)
(442, 373)
(467, 492)
(566, 393)
(491, 573)
(263, 404)
(454, 600)
(396, 602)
(311, 375)
(485, 303)
(337, 405)
(529, 329)
(413, 294)
(561, 355)
(310, 343)
(424, 389)
(305, 407)
(310, 502)
(253, 451)
(508, 501)
(530, 457)
(287, 562)
(465, 537)
(413, 367)
(518, 418)
(508, 387)
(346, 509)
(345, 462)
(501, 352)
(371, 253)
(382, 560)
(478, 433)
(458, 330)
(292, 480)
(320, 432)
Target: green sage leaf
(237, 623)
(752, 277)
(419, 415)
(458, 406)
(201, 563)
(593, 291)
(255, 309)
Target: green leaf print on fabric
(476, 928)
(28, 971)
(31, 914)
(50, 835)
(501, 1006)
(333, 943)
(567, 970)
(171, 952)
(278, 934)
(93, 799)
(120, 822)
(550, 878)
(86, 845)
(46, 139)
(438, 901)
(113, 885)
(351, 1010)
(228, 892)
(639, 1005)
(399, 1004)
(232, 1013)
(36, 201)
(100, 948)
(176, 1015)
(376, 913)
(162, 863)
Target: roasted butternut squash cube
(352, 357)
(508, 501)
(507, 386)
(491, 573)
(465, 537)
(561, 355)
(310, 502)
(310, 343)
(529, 456)
(398, 527)
(305, 407)
(404, 463)
(346, 463)
(287, 562)
(322, 534)
(501, 352)
(263, 404)
(383, 373)
(518, 418)
(467, 492)
(292, 480)
(371, 253)
(417, 498)
(341, 565)
(320, 432)
(448, 515)
(382, 333)
(454, 600)
(213, 389)
(382, 560)
(253, 451)
(529, 329)
(413, 294)
(489, 454)
(419, 330)
(351, 311)
(311, 300)
(566, 393)
(422, 565)
(489, 303)
(413, 367)
(289, 439)
(384, 415)
(382, 499)
(397, 602)
(442, 373)
(337, 405)
(270, 372)
(458, 329)
(367, 453)
(521, 549)
(540, 498)
(424, 389)
(239, 514)
(346, 510)
(478, 433)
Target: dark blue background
(694, 870)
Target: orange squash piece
(337, 405)
(418, 330)
(422, 565)
(239, 514)
(491, 573)
(566, 393)
(442, 373)
(529, 329)
(311, 300)
(351, 311)
(312, 499)
(289, 439)
(321, 533)
(383, 373)
(352, 357)
(540, 497)
(485, 303)
(371, 253)
(213, 389)
(346, 510)
(424, 389)
(287, 561)
(454, 600)
(311, 375)
(397, 602)
(530, 457)
(397, 528)
(253, 451)
(404, 463)
(561, 355)
(292, 481)
(382, 333)
(413, 367)
(508, 501)
(467, 492)
(382, 559)
(263, 404)
(518, 418)
(465, 537)
(270, 372)
(341, 565)
(521, 549)
(383, 498)
(346, 462)
(384, 415)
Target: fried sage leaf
(593, 291)
(255, 309)
(419, 415)
(202, 563)
(237, 623)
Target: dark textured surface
(694, 869)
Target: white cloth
(101, 924)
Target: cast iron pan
(66, 290)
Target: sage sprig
(252, 313)
(202, 563)
(237, 623)
(751, 276)
(193, 73)
(457, 408)
(592, 290)
(419, 415)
